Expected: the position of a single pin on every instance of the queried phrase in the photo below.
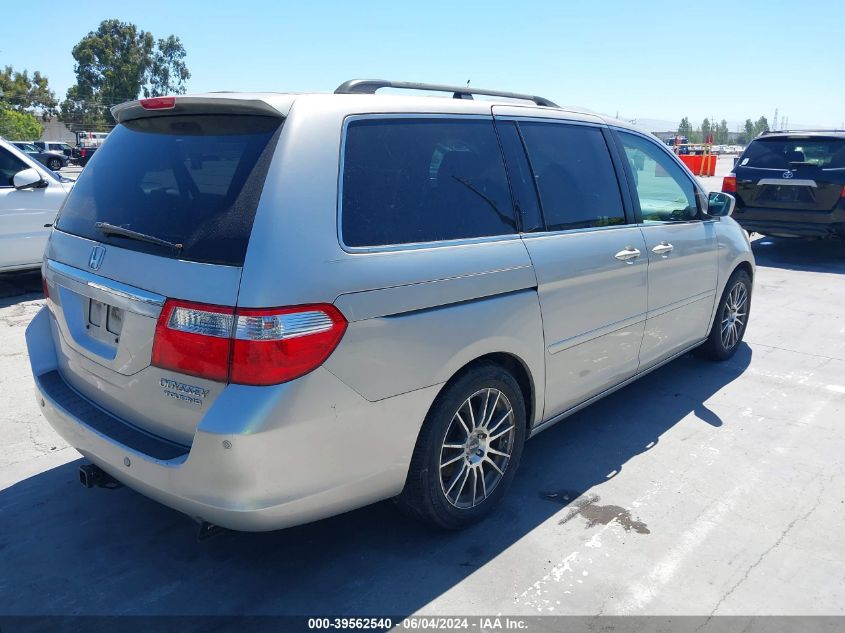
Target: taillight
(729, 183)
(842, 195)
(194, 338)
(82, 152)
(248, 346)
(158, 103)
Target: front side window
(423, 180)
(665, 192)
(9, 166)
(575, 176)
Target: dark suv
(791, 184)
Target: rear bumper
(261, 459)
(792, 228)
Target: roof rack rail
(369, 86)
(764, 132)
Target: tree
(749, 130)
(762, 125)
(117, 63)
(19, 125)
(168, 72)
(685, 128)
(722, 134)
(705, 130)
(21, 93)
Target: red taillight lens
(82, 152)
(729, 183)
(248, 347)
(158, 103)
(280, 344)
(194, 338)
(842, 195)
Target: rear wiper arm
(112, 229)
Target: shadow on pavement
(82, 552)
(818, 256)
(19, 287)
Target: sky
(643, 60)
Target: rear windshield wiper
(111, 229)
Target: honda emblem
(96, 259)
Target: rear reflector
(158, 103)
(44, 287)
(247, 346)
(729, 183)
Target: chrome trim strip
(107, 290)
(565, 414)
(788, 181)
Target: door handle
(628, 254)
(664, 248)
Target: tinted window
(9, 166)
(423, 180)
(521, 179)
(785, 152)
(191, 180)
(574, 174)
(665, 192)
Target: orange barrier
(704, 165)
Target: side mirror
(720, 205)
(28, 179)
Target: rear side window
(423, 180)
(575, 177)
(191, 180)
(786, 152)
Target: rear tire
(55, 164)
(731, 319)
(468, 449)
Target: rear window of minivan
(193, 180)
(423, 180)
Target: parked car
(791, 184)
(86, 144)
(55, 146)
(53, 160)
(266, 309)
(30, 197)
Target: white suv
(30, 197)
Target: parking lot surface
(703, 488)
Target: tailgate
(164, 210)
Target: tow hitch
(91, 475)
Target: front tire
(55, 164)
(731, 319)
(468, 449)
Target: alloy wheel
(734, 315)
(476, 448)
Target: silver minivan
(265, 309)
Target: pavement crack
(759, 560)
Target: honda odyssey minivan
(265, 309)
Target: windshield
(783, 152)
(192, 180)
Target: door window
(423, 180)
(574, 175)
(665, 192)
(9, 166)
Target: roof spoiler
(194, 105)
(369, 86)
